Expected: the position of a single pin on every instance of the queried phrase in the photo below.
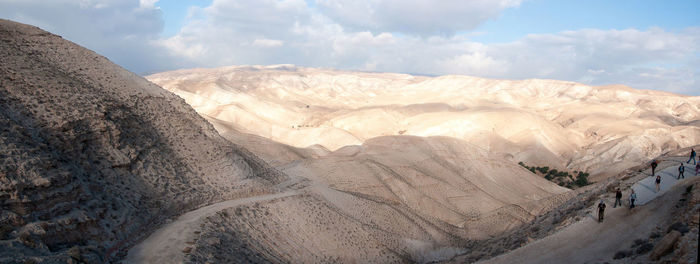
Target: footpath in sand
(166, 244)
(588, 241)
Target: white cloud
(121, 30)
(422, 17)
(366, 35)
(314, 38)
(267, 43)
(148, 3)
(607, 56)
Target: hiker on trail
(633, 197)
(653, 167)
(658, 183)
(601, 210)
(681, 169)
(697, 169)
(618, 196)
(692, 157)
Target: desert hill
(93, 157)
(97, 161)
(392, 199)
(601, 130)
(100, 165)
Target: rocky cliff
(93, 157)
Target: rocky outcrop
(92, 156)
(686, 222)
(665, 246)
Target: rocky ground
(93, 157)
(644, 234)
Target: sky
(642, 44)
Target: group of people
(618, 201)
(681, 168)
(633, 195)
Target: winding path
(166, 244)
(588, 241)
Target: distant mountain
(601, 130)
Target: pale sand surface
(602, 130)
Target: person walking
(658, 183)
(681, 169)
(697, 169)
(618, 197)
(633, 197)
(653, 167)
(692, 157)
(601, 210)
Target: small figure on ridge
(618, 196)
(653, 167)
(692, 156)
(658, 183)
(601, 210)
(681, 169)
(633, 197)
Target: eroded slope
(393, 199)
(602, 130)
(92, 156)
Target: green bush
(559, 177)
(582, 179)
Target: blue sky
(532, 17)
(642, 44)
(175, 12)
(551, 16)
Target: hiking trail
(588, 241)
(168, 243)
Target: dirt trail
(589, 241)
(645, 188)
(166, 244)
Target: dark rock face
(92, 156)
(665, 246)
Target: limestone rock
(92, 155)
(665, 246)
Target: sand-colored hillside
(93, 157)
(392, 199)
(96, 159)
(602, 130)
(439, 178)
